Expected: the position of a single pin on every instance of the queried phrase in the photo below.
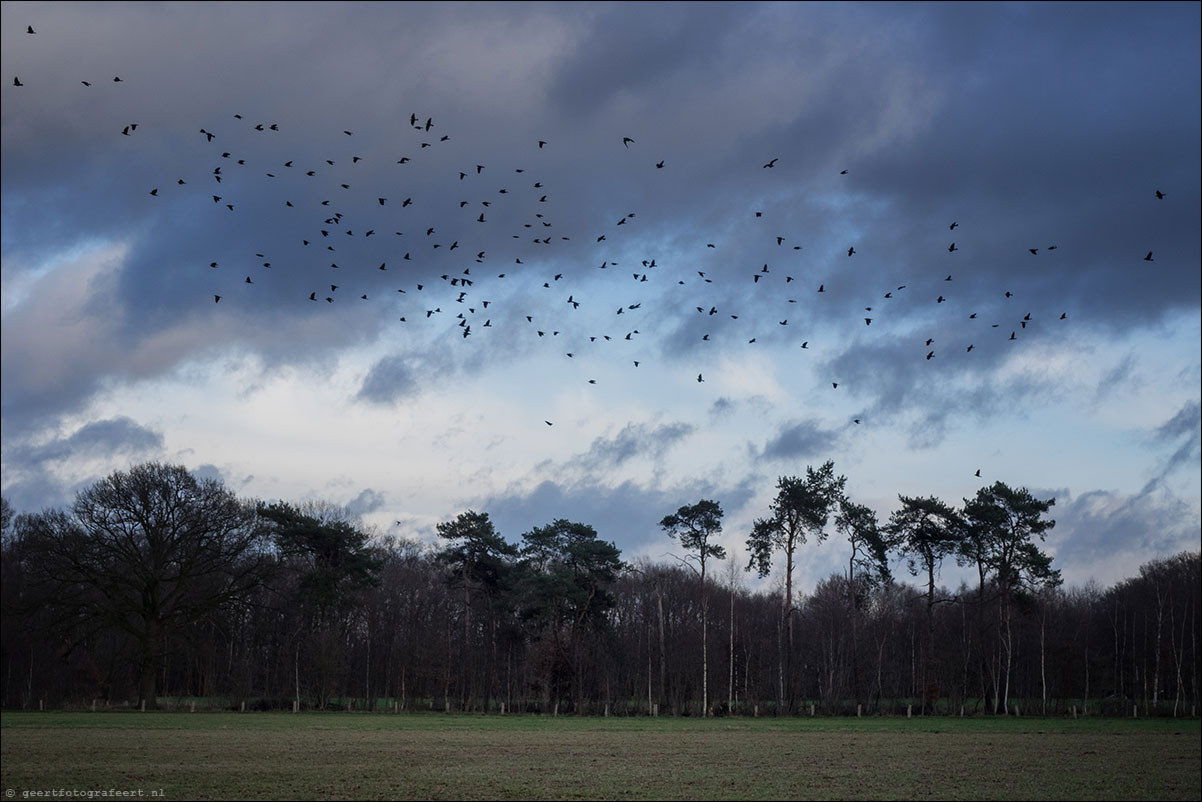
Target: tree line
(157, 586)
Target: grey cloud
(1185, 428)
(1094, 528)
(390, 379)
(120, 436)
(799, 440)
(633, 441)
(1185, 423)
(209, 472)
(627, 515)
(368, 501)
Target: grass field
(376, 756)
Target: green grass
(432, 756)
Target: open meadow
(175, 755)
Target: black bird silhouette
(771, 163)
(850, 251)
(17, 81)
(699, 378)
(952, 227)
(842, 172)
(216, 299)
(30, 30)
(1159, 195)
(978, 473)
(951, 247)
(626, 141)
(1148, 258)
(659, 165)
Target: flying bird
(1148, 258)
(771, 163)
(30, 30)
(626, 141)
(1159, 195)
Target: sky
(598, 261)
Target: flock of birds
(440, 256)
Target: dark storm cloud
(1027, 125)
(625, 51)
(921, 161)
